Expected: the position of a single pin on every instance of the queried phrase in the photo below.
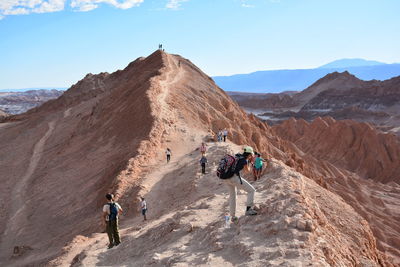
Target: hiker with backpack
(168, 153)
(203, 162)
(110, 218)
(229, 170)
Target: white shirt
(143, 205)
(106, 208)
(225, 132)
(168, 152)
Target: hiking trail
(186, 221)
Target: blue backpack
(113, 212)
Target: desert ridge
(109, 132)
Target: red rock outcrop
(370, 161)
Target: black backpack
(226, 166)
(113, 212)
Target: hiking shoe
(110, 246)
(234, 219)
(251, 212)
(116, 244)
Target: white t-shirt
(168, 152)
(143, 205)
(225, 132)
(106, 208)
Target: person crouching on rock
(233, 180)
(110, 219)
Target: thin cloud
(246, 4)
(87, 5)
(23, 7)
(174, 4)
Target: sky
(55, 43)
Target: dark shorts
(258, 169)
(144, 211)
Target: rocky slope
(373, 185)
(20, 102)
(298, 224)
(100, 135)
(254, 102)
(339, 90)
(108, 132)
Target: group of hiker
(228, 170)
(222, 135)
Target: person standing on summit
(230, 175)
(110, 219)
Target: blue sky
(54, 43)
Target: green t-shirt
(258, 163)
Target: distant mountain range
(33, 89)
(19, 102)
(339, 95)
(275, 81)
(351, 62)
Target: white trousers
(232, 184)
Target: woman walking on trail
(258, 164)
(168, 153)
(203, 149)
